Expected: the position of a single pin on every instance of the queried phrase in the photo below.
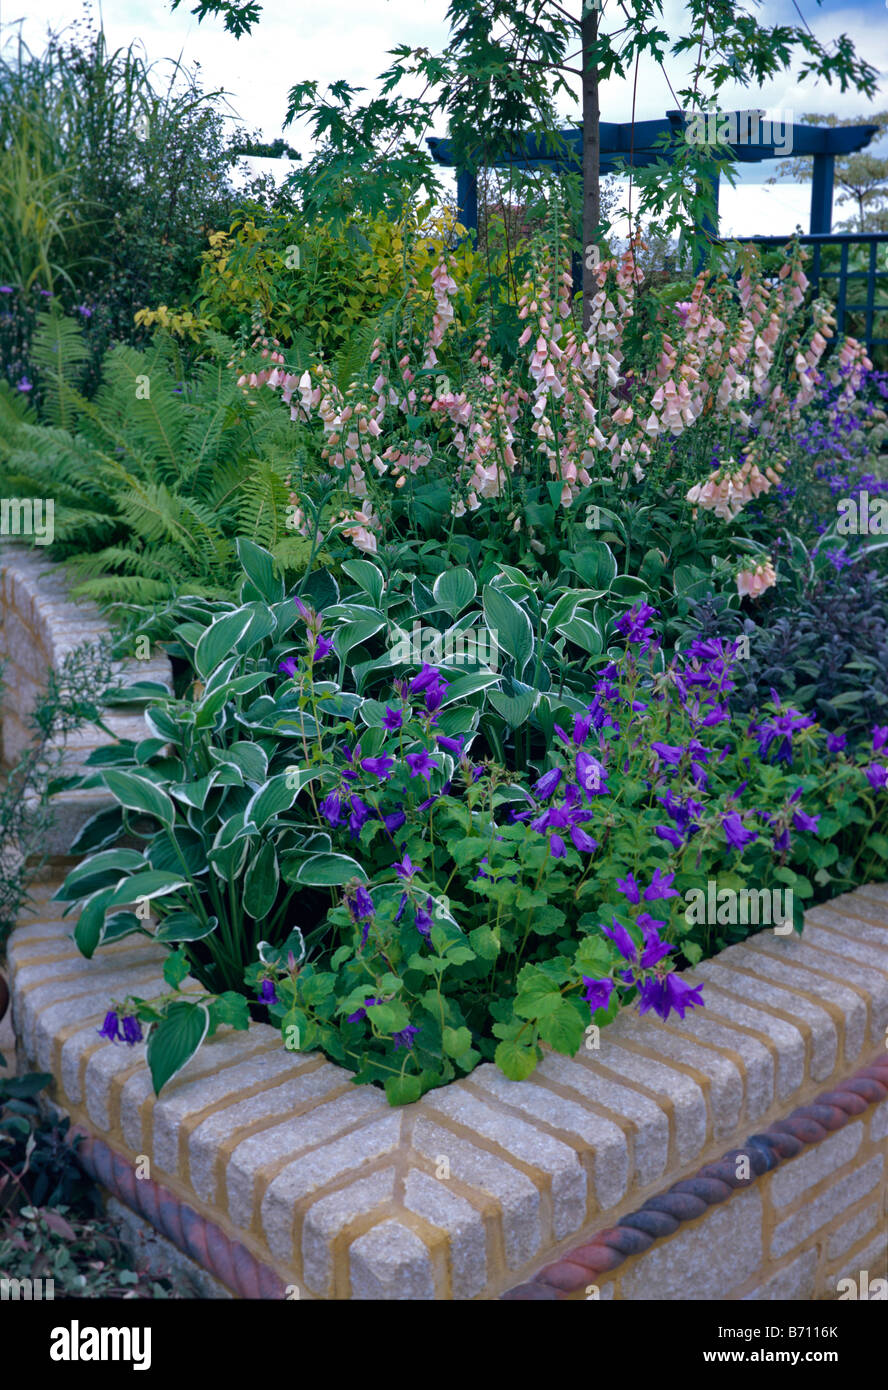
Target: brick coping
(485, 1185)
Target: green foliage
(152, 479)
(454, 860)
(26, 809)
(112, 171)
(52, 1225)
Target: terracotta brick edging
(712, 1184)
(197, 1237)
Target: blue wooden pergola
(637, 144)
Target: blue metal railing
(817, 274)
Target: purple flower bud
(545, 786)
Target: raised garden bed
(281, 1178)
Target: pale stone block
(879, 1121)
(517, 1196)
(207, 1137)
(716, 1252)
(768, 997)
(226, 1046)
(837, 973)
(793, 1179)
(796, 1280)
(310, 1173)
(760, 954)
(325, 1219)
(824, 1207)
(865, 1268)
(686, 1097)
(605, 1139)
(195, 1095)
(391, 1262)
(650, 1124)
(432, 1199)
(526, 1142)
(851, 1232)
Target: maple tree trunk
(591, 155)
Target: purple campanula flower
(331, 808)
(6, 289)
(880, 736)
(633, 625)
(405, 1037)
(362, 1012)
(581, 840)
(736, 834)
(661, 887)
(545, 786)
(629, 888)
(359, 904)
(84, 311)
(267, 993)
(379, 767)
(782, 841)
(322, 647)
(877, 776)
(450, 745)
(392, 719)
(622, 940)
(110, 1029)
(597, 993)
(434, 695)
(23, 384)
(427, 676)
(557, 847)
(668, 754)
(835, 743)
(402, 903)
(582, 725)
(360, 813)
(591, 774)
(423, 918)
(394, 821)
(667, 992)
(304, 612)
(288, 667)
(665, 832)
(420, 764)
(132, 1030)
(802, 821)
(405, 868)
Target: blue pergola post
(467, 199)
(822, 193)
(707, 225)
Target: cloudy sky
(350, 39)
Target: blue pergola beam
(638, 146)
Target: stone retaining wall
(39, 625)
(276, 1172)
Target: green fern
(59, 353)
(152, 482)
